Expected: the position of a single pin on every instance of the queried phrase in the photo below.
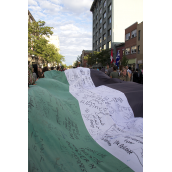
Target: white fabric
(108, 118)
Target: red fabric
(112, 60)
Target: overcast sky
(71, 20)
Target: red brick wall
(132, 41)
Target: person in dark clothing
(44, 70)
(35, 67)
(52, 68)
(58, 68)
(136, 76)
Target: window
(109, 20)
(127, 36)
(127, 51)
(96, 25)
(104, 4)
(100, 48)
(93, 44)
(100, 30)
(100, 10)
(123, 51)
(104, 15)
(93, 29)
(104, 36)
(96, 17)
(138, 49)
(104, 46)
(96, 49)
(96, 33)
(109, 44)
(138, 35)
(104, 26)
(133, 49)
(97, 42)
(109, 32)
(109, 8)
(100, 40)
(100, 21)
(100, 1)
(133, 33)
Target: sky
(72, 23)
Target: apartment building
(110, 18)
(139, 55)
(131, 44)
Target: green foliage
(124, 61)
(38, 44)
(102, 57)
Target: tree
(104, 57)
(91, 58)
(124, 61)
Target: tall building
(110, 18)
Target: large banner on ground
(75, 126)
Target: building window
(123, 51)
(96, 25)
(127, 36)
(100, 48)
(104, 46)
(96, 49)
(138, 49)
(109, 20)
(100, 30)
(104, 26)
(100, 2)
(100, 10)
(96, 33)
(133, 33)
(109, 44)
(138, 35)
(100, 21)
(93, 29)
(127, 51)
(96, 17)
(93, 44)
(104, 36)
(104, 15)
(109, 8)
(104, 4)
(133, 49)
(100, 40)
(109, 32)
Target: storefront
(132, 63)
(140, 64)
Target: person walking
(136, 76)
(114, 74)
(110, 70)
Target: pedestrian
(110, 70)
(35, 68)
(136, 76)
(44, 70)
(31, 79)
(114, 74)
(129, 73)
(40, 74)
(123, 74)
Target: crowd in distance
(123, 72)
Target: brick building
(131, 44)
(84, 53)
(139, 59)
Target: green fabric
(114, 74)
(57, 137)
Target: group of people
(124, 73)
(35, 72)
